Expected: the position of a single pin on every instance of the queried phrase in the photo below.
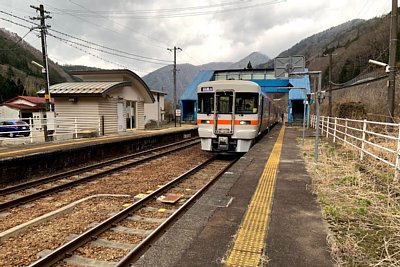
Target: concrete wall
(372, 94)
(39, 164)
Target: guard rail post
(328, 121)
(322, 125)
(345, 132)
(397, 167)
(31, 130)
(334, 130)
(363, 139)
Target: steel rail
(135, 253)
(26, 185)
(91, 234)
(45, 192)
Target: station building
(118, 97)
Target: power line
(165, 10)
(115, 50)
(17, 17)
(87, 52)
(104, 51)
(135, 56)
(14, 47)
(105, 17)
(179, 12)
(16, 23)
(102, 26)
(76, 47)
(94, 55)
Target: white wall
(150, 110)
(8, 112)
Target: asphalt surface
(296, 235)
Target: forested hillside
(351, 44)
(17, 74)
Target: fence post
(363, 139)
(345, 132)
(397, 167)
(322, 125)
(328, 121)
(312, 121)
(334, 130)
(76, 128)
(31, 129)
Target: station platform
(31, 160)
(14, 147)
(261, 212)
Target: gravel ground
(21, 250)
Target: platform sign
(285, 65)
(178, 112)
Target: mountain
(255, 58)
(351, 44)
(17, 74)
(162, 79)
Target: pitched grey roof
(83, 88)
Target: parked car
(12, 128)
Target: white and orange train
(232, 114)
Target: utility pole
(174, 73)
(43, 31)
(330, 84)
(392, 62)
(330, 87)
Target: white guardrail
(63, 128)
(379, 140)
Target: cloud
(148, 27)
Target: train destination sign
(206, 89)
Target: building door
(130, 115)
(120, 114)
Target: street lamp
(387, 67)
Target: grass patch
(361, 204)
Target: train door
(224, 113)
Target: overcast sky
(207, 31)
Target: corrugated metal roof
(85, 88)
(191, 91)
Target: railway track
(26, 192)
(147, 218)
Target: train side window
(246, 103)
(206, 103)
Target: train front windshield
(206, 103)
(246, 103)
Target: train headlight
(244, 122)
(205, 121)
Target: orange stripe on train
(228, 122)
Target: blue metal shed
(189, 97)
(297, 96)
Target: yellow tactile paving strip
(248, 247)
